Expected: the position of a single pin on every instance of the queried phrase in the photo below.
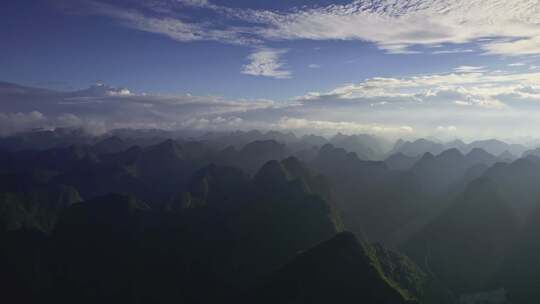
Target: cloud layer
(469, 102)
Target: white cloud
(399, 24)
(469, 87)
(507, 27)
(519, 46)
(170, 25)
(323, 126)
(452, 51)
(446, 128)
(101, 107)
(469, 69)
(266, 62)
(313, 66)
(17, 122)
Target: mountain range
(137, 217)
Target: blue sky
(325, 65)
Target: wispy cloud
(399, 24)
(267, 62)
(325, 126)
(468, 86)
(495, 27)
(102, 107)
(469, 69)
(452, 51)
(420, 105)
(166, 22)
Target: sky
(395, 68)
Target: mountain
(314, 140)
(417, 147)
(421, 146)
(400, 161)
(437, 173)
(381, 204)
(111, 144)
(239, 139)
(344, 270)
(365, 146)
(497, 147)
(534, 152)
(79, 260)
(139, 217)
(465, 245)
(234, 231)
(253, 155)
(518, 274)
(516, 183)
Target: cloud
(469, 69)
(16, 122)
(313, 66)
(414, 106)
(515, 47)
(166, 22)
(102, 107)
(470, 86)
(396, 25)
(453, 51)
(446, 128)
(324, 126)
(497, 27)
(266, 62)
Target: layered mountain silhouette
(154, 216)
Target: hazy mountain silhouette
(400, 161)
(256, 217)
(365, 146)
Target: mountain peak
(339, 270)
(452, 153)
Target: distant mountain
(111, 144)
(516, 183)
(41, 139)
(534, 152)
(507, 157)
(367, 147)
(253, 155)
(417, 147)
(421, 146)
(344, 270)
(239, 139)
(497, 147)
(400, 161)
(382, 204)
(314, 140)
(438, 172)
